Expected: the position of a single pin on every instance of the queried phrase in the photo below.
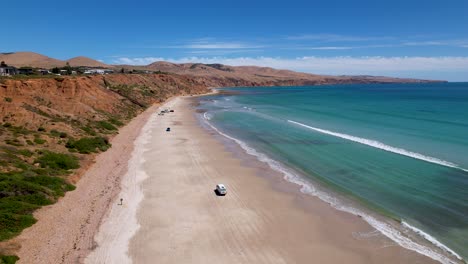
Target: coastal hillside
(35, 60)
(52, 128)
(30, 59)
(265, 76)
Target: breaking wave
(390, 231)
(382, 146)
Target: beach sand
(170, 213)
(262, 219)
(65, 231)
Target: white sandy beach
(170, 213)
(65, 231)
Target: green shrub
(39, 141)
(89, 130)
(8, 259)
(41, 129)
(12, 224)
(105, 125)
(32, 199)
(54, 133)
(25, 152)
(19, 130)
(14, 205)
(7, 125)
(13, 142)
(21, 165)
(58, 186)
(58, 161)
(8, 99)
(29, 142)
(116, 122)
(88, 145)
(23, 192)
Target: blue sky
(423, 39)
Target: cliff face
(51, 128)
(35, 103)
(50, 114)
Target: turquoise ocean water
(397, 149)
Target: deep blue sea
(400, 150)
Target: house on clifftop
(6, 70)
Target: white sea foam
(207, 116)
(430, 238)
(382, 146)
(386, 229)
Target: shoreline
(399, 230)
(97, 200)
(171, 217)
(390, 227)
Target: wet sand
(262, 219)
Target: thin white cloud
(302, 47)
(329, 48)
(454, 43)
(424, 43)
(396, 66)
(137, 61)
(220, 46)
(336, 38)
(220, 52)
(394, 42)
(213, 45)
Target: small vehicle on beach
(168, 129)
(172, 111)
(221, 189)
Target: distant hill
(225, 71)
(31, 59)
(22, 59)
(213, 74)
(254, 75)
(84, 61)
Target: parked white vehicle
(221, 189)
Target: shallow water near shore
(399, 149)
